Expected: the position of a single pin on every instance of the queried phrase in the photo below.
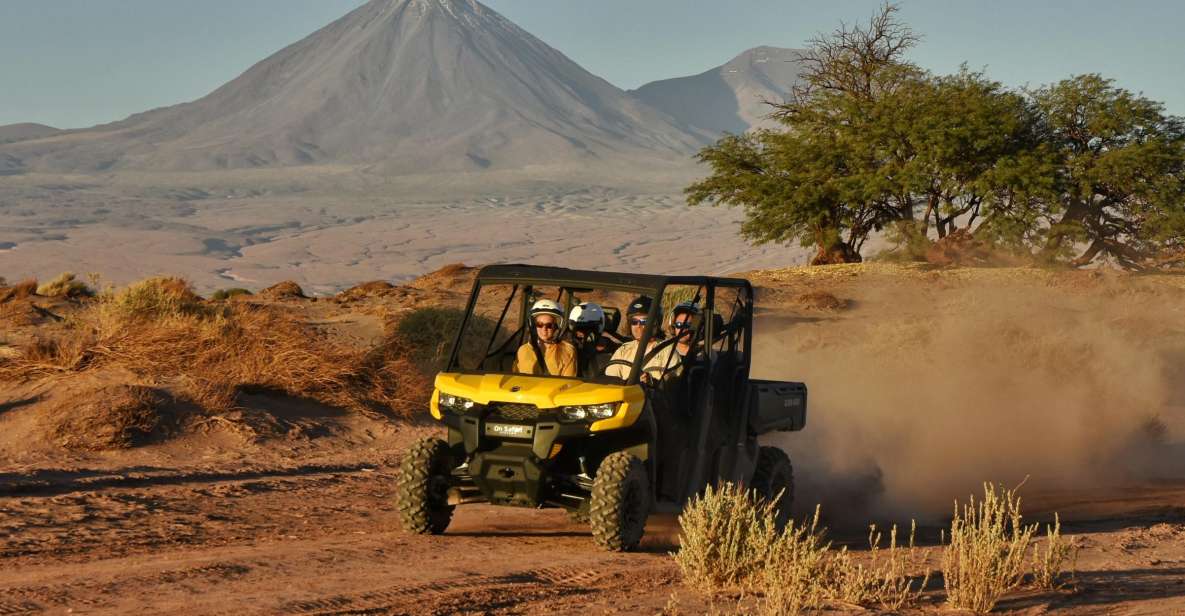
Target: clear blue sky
(72, 63)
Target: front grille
(515, 412)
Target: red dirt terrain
(121, 493)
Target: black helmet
(640, 305)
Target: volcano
(401, 86)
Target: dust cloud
(931, 385)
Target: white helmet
(588, 316)
(546, 306)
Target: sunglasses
(546, 326)
(681, 324)
(638, 322)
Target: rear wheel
(421, 488)
(774, 480)
(620, 502)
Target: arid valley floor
(924, 383)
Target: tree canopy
(1072, 172)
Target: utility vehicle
(609, 450)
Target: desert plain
(924, 381)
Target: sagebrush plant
(795, 575)
(1051, 558)
(887, 579)
(726, 536)
(730, 541)
(65, 285)
(987, 551)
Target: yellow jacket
(560, 358)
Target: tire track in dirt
(102, 594)
(478, 593)
(50, 483)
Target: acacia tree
(1120, 174)
(821, 180)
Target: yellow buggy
(610, 450)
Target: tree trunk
(838, 252)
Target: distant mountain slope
(10, 133)
(407, 86)
(728, 98)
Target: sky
(77, 63)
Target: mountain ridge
(730, 97)
(402, 86)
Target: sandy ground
(213, 523)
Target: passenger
(684, 319)
(587, 324)
(637, 315)
(545, 353)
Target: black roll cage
(524, 276)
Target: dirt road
(323, 539)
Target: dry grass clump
(20, 290)
(65, 285)
(1050, 560)
(160, 331)
(729, 540)
(986, 555)
(108, 417)
(283, 290)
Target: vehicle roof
(562, 276)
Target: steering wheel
(629, 363)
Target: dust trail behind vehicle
(931, 383)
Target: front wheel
(620, 502)
(774, 481)
(421, 488)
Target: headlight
(457, 404)
(590, 411)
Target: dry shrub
(65, 285)
(887, 580)
(1049, 562)
(225, 294)
(160, 331)
(796, 571)
(108, 417)
(283, 290)
(726, 534)
(986, 555)
(155, 299)
(20, 290)
(729, 541)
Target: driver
(637, 316)
(545, 353)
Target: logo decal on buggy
(510, 430)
